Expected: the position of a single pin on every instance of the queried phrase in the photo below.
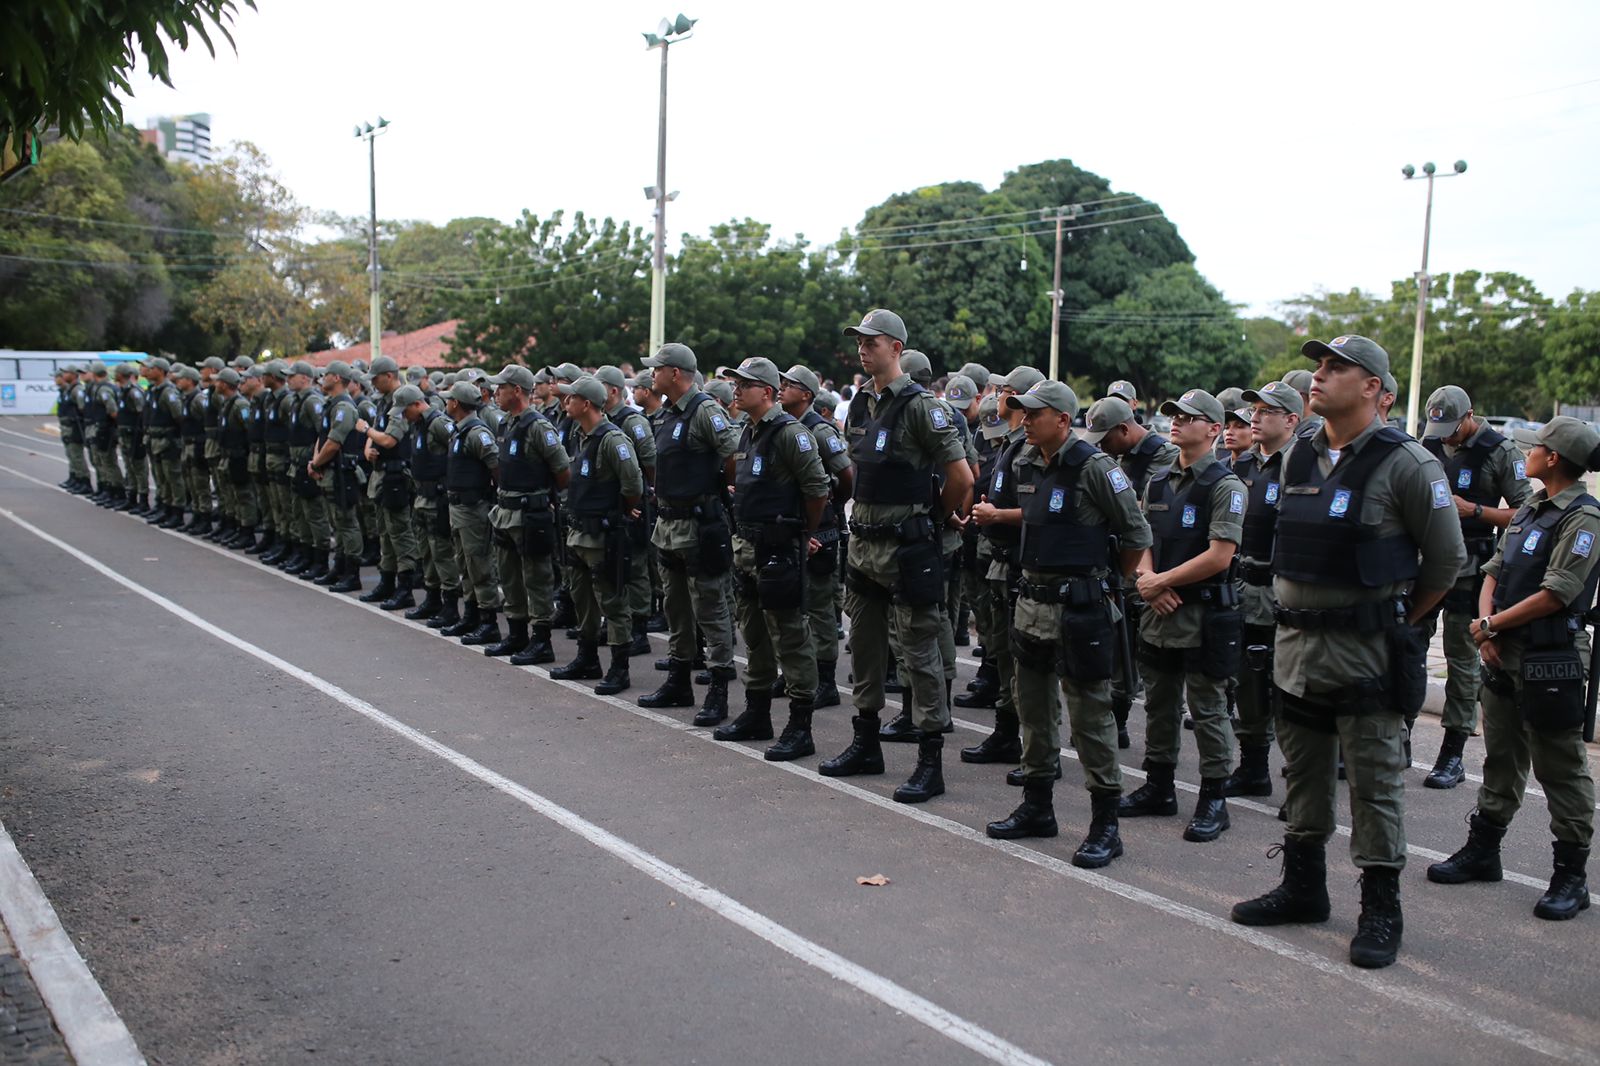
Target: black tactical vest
(519, 470)
(883, 476)
(307, 421)
(463, 472)
(1181, 522)
(685, 469)
(760, 496)
(1463, 471)
(130, 420)
(94, 412)
(1136, 462)
(258, 420)
(389, 459)
(1001, 487)
(1265, 484)
(811, 420)
(588, 493)
(233, 425)
(276, 426)
(156, 415)
(1052, 537)
(1321, 537)
(1526, 556)
(355, 440)
(194, 406)
(428, 467)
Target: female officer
(1536, 590)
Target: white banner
(27, 397)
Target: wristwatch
(1484, 627)
(1477, 510)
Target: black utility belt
(1077, 591)
(159, 431)
(919, 527)
(523, 501)
(1378, 614)
(1480, 547)
(683, 510)
(467, 497)
(1256, 574)
(588, 523)
(1211, 595)
(771, 532)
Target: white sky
(1272, 134)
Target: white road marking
(33, 451)
(887, 992)
(34, 436)
(88, 1023)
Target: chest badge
(883, 440)
(1188, 516)
(755, 466)
(1058, 500)
(512, 448)
(1531, 545)
(1272, 492)
(677, 431)
(1340, 505)
(584, 470)
(999, 480)
(1464, 478)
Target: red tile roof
(425, 347)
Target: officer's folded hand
(1463, 507)
(813, 546)
(1164, 602)
(984, 512)
(1490, 650)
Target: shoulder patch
(551, 439)
(1236, 503)
(1119, 480)
(803, 441)
(719, 423)
(937, 415)
(835, 445)
(1441, 494)
(1519, 470)
(484, 438)
(1583, 543)
(622, 451)
(639, 431)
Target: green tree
(1569, 372)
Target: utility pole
(666, 35)
(370, 134)
(1063, 214)
(1414, 399)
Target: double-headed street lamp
(369, 133)
(667, 34)
(1414, 402)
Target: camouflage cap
(586, 387)
(879, 321)
(466, 394)
(405, 396)
(801, 376)
(1196, 402)
(960, 390)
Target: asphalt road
(283, 826)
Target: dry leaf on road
(875, 879)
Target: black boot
(1210, 812)
(1035, 816)
(538, 649)
(715, 708)
(466, 624)
(382, 590)
(1003, 745)
(296, 561)
(404, 582)
(268, 540)
(1449, 771)
(755, 723)
(891, 679)
(1378, 930)
(1254, 776)
(586, 667)
(1477, 860)
(371, 552)
(984, 691)
(863, 756)
(963, 628)
(827, 685)
(243, 537)
(174, 519)
(128, 502)
(1120, 706)
(641, 639)
(516, 639)
(428, 607)
(675, 691)
(566, 612)
(271, 553)
(222, 531)
(1155, 797)
(795, 742)
(335, 572)
(616, 679)
(1302, 896)
(927, 780)
(351, 581)
(1015, 778)
(486, 632)
(780, 688)
(316, 567)
(1569, 886)
(1104, 841)
(158, 514)
(445, 617)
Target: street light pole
(1063, 214)
(666, 35)
(370, 134)
(1414, 399)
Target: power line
(1000, 215)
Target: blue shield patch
(677, 431)
(583, 471)
(1464, 478)
(1119, 480)
(622, 451)
(1584, 543)
(1272, 492)
(550, 437)
(638, 431)
(1531, 545)
(1441, 494)
(1058, 499)
(1236, 503)
(1340, 505)
(883, 440)
(455, 445)
(835, 445)
(1520, 470)
(803, 441)
(511, 449)
(999, 481)
(719, 423)
(1188, 516)
(755, 466)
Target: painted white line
(52, 431)
(887, 992)
(1374, 983)
(89, 1024)
(34, 451)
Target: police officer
(163, 414)
(366, 510)
(648, 401)
(233, 473)
(334, 467)
(257, 393)
(211, 446)
(470, 484)
(1364, 514)
(566, 614)
(389, 491)
(780, 491)
(131, 442)
(1483, 468)
(605, 492)
(1300, 381)
(896, 561)
(196, 467)
(1536, 590)
(533, 467)
(1124, 391)
(100, 426)
(303, 405)
(1070, 499)
(641, 439)
(433, 393)
(1235, 439)
(430, 511)
(1190, 635)
(70, 402)
(645, 396)
(695, 443)
(962, 394)
(800, 389)
(276, 498)
(1274, 415)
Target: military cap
(514, 374)
(1572, 439)
(436, 376)
(1104, 416)
(466, 394)
(1390, 385)
(722, 390)
(229, 376)
(213, 363)
(405, 396)
(303, 367)
(278, 369)
(1447, 406)
(96, 367)
(611, 376)
(359, 364)
(960, 390)
(1046, 393)
(586, 387)
(1196, 402)
(189, 373)
(645, 380)
(156, 362)
(383, 365)
(879, 321)
(72, 368)
(757, 369)
(802, 376)
(1352, 348)
(1278, 394)
(542, 376)
(990, 424)
(918, 365)
(1300, 381)
(472, 374)
(1124, 391)
(1237, 414)
(450, 380)
(339, 369)
(676, 355)
(1020, 379)
(415, 373)
(1231, 398)
(242, 362)
(977, 373)
(124, 369)
(825, 401)
(565, 372)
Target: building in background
(185, 137)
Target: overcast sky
(1271, 134)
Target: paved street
(284, 826)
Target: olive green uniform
(311, 513)
(130, 436)
(196, 461)
(163, 442)
(69, 413)
(277, 409)
(430, 512)
(389, 491)
(469, 522)
(640, 435)
(367, 502)
(787, 455)
(875, 599)
(523, 523)
(1334, 681)
(103, 446)
(340, 488)
(1050, 635)
(1139, 466)
(1255, 727)
(233, 472)
(997, 605)
(596, 591)
(822, 569)
(211, 451)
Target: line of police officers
(1275, 568)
